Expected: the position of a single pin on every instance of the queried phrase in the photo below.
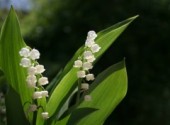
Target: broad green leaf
(78, 114)
(107, 91)
(68, 82)
(10, 43)
(105, 38)
(64, 121)
(15, 113)
(75, 116)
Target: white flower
(45, 115)
(91, 59)
(81, 74)
(78, 63)
(95, 48)
(32, 70)
(85, 86)
(34, 54)
(89, 77)
(44, 93)
(89, 42)
(87, 98)
(91, 34)
(39, 69)
(32, 108)
(31, 80)
(37, 95)
(25, 62)
(88, 54)
(43, 81)
(24, 52)
(87, 66)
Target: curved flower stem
(78, 92)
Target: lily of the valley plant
(33, 100)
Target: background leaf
(78, 114)
(68, 82)
(107, 91)
(10, 43)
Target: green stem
(78, 93)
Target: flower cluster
(34, 79)
(85, 62)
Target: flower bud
(45, 115)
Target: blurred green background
(59, 27)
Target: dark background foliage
(58, 28)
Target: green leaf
(78, 114)
(105, 38)
(75, 116)
(15, 113)
(107, 91)
(68, 82)
(10, 43)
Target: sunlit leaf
(68, 82)
(10, 43)
(107, 91)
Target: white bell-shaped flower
(81, 74)
(37, 95)
(88, 54)
(89, 42)
(87, 98)
(45, 115)
(24, 52)
(43, 81)
(78, 63)
(31, 80)
(25, 62)
(85, 86)
(34, 54)
(95, 48)
(32, 70)
(44, 93)
(39, 69)
(90, 77)
(91, 35)
(91, 59)
(87, 66)
(32, 108)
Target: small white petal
(31, 70)
(95, 48)
(89, 77)
(37, 95)
(44, 93)
(89, 42)
(81, 74)
(31, 80)
(25, 62)
(91, 34)
(43, 81)
(87, 66)
(88, 54)
(78, 63)
(24, 52)
(87, 98)
(34, 54)
(45, 115)
(39, 69)
(92, 59)
(85, 86)
(32, 108)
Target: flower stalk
(85, 64)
